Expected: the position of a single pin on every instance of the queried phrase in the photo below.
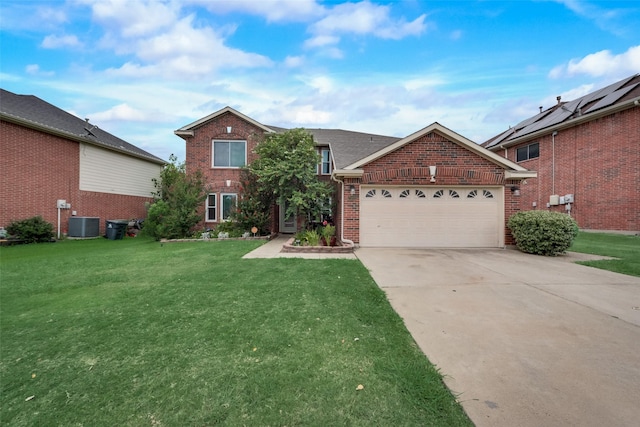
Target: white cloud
(34, 70)
(133, 18)
(55, 42)
(272, 10)
(601, 64)
(123, 112)
(186, 51)
(363, 18)
(294, 61)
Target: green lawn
(623, 247)
(135, 333)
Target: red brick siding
(598, 162)
(38, 169)
(199, 151)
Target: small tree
(254, 207)
(286, 166)
(179, 197)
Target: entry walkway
(272, 249)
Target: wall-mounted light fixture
(432, 172)
(352, 189)
(515, 190)
(229, 128)
(228, 183)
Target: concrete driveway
(524, 340)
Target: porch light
(432, 172)
(515, 190)
(229, 128)
(228, 183)
(352, 189)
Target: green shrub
(312, 237)
(543, 232)
(31, 230)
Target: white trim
(351, 173)
(328, 150)
(449, 134)
(222, 218)
(213, 157)
(188, 129)
(207, 207)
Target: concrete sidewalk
(525, 340)
(272, 249)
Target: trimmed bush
(31, 230)
(543, 232)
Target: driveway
(523, 340)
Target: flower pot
(334, 241)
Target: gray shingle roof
(580, 109)
(31, 111)
(346, 146)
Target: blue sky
(142, 69)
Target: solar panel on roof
(611, 98)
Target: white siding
(106, 171)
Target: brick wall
(598, 162)
(199, 152)
(38, 169)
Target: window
(325, 165)
(229, 202)
(229, 154)
(531, 151)
(211, 208)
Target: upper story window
(325, 163)
(531, 151)
(229, 154)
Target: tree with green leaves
(286, 166)
(178, 200)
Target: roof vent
(540, 107)
(558, 98)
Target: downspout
(342, 239)
(553, 162)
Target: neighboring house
(433, 188)
(587, 155)
(47, 155)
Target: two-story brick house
(587, 155)
(48, 155)
(433, 188)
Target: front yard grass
(625, 248)
(134, 332)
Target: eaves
(74, 137)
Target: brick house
(587, 155)
(433, 188)
(47, 154)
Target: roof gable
(188, 129)
(34, 113)
(450, 135)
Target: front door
(287, 223)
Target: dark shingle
(32, 111)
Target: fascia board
(348, 173)
(219, 113)
(520, 174)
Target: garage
(435, 217)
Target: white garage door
(435, 217)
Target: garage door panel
(444, 217)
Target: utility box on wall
(554, 200)
(83, 226)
